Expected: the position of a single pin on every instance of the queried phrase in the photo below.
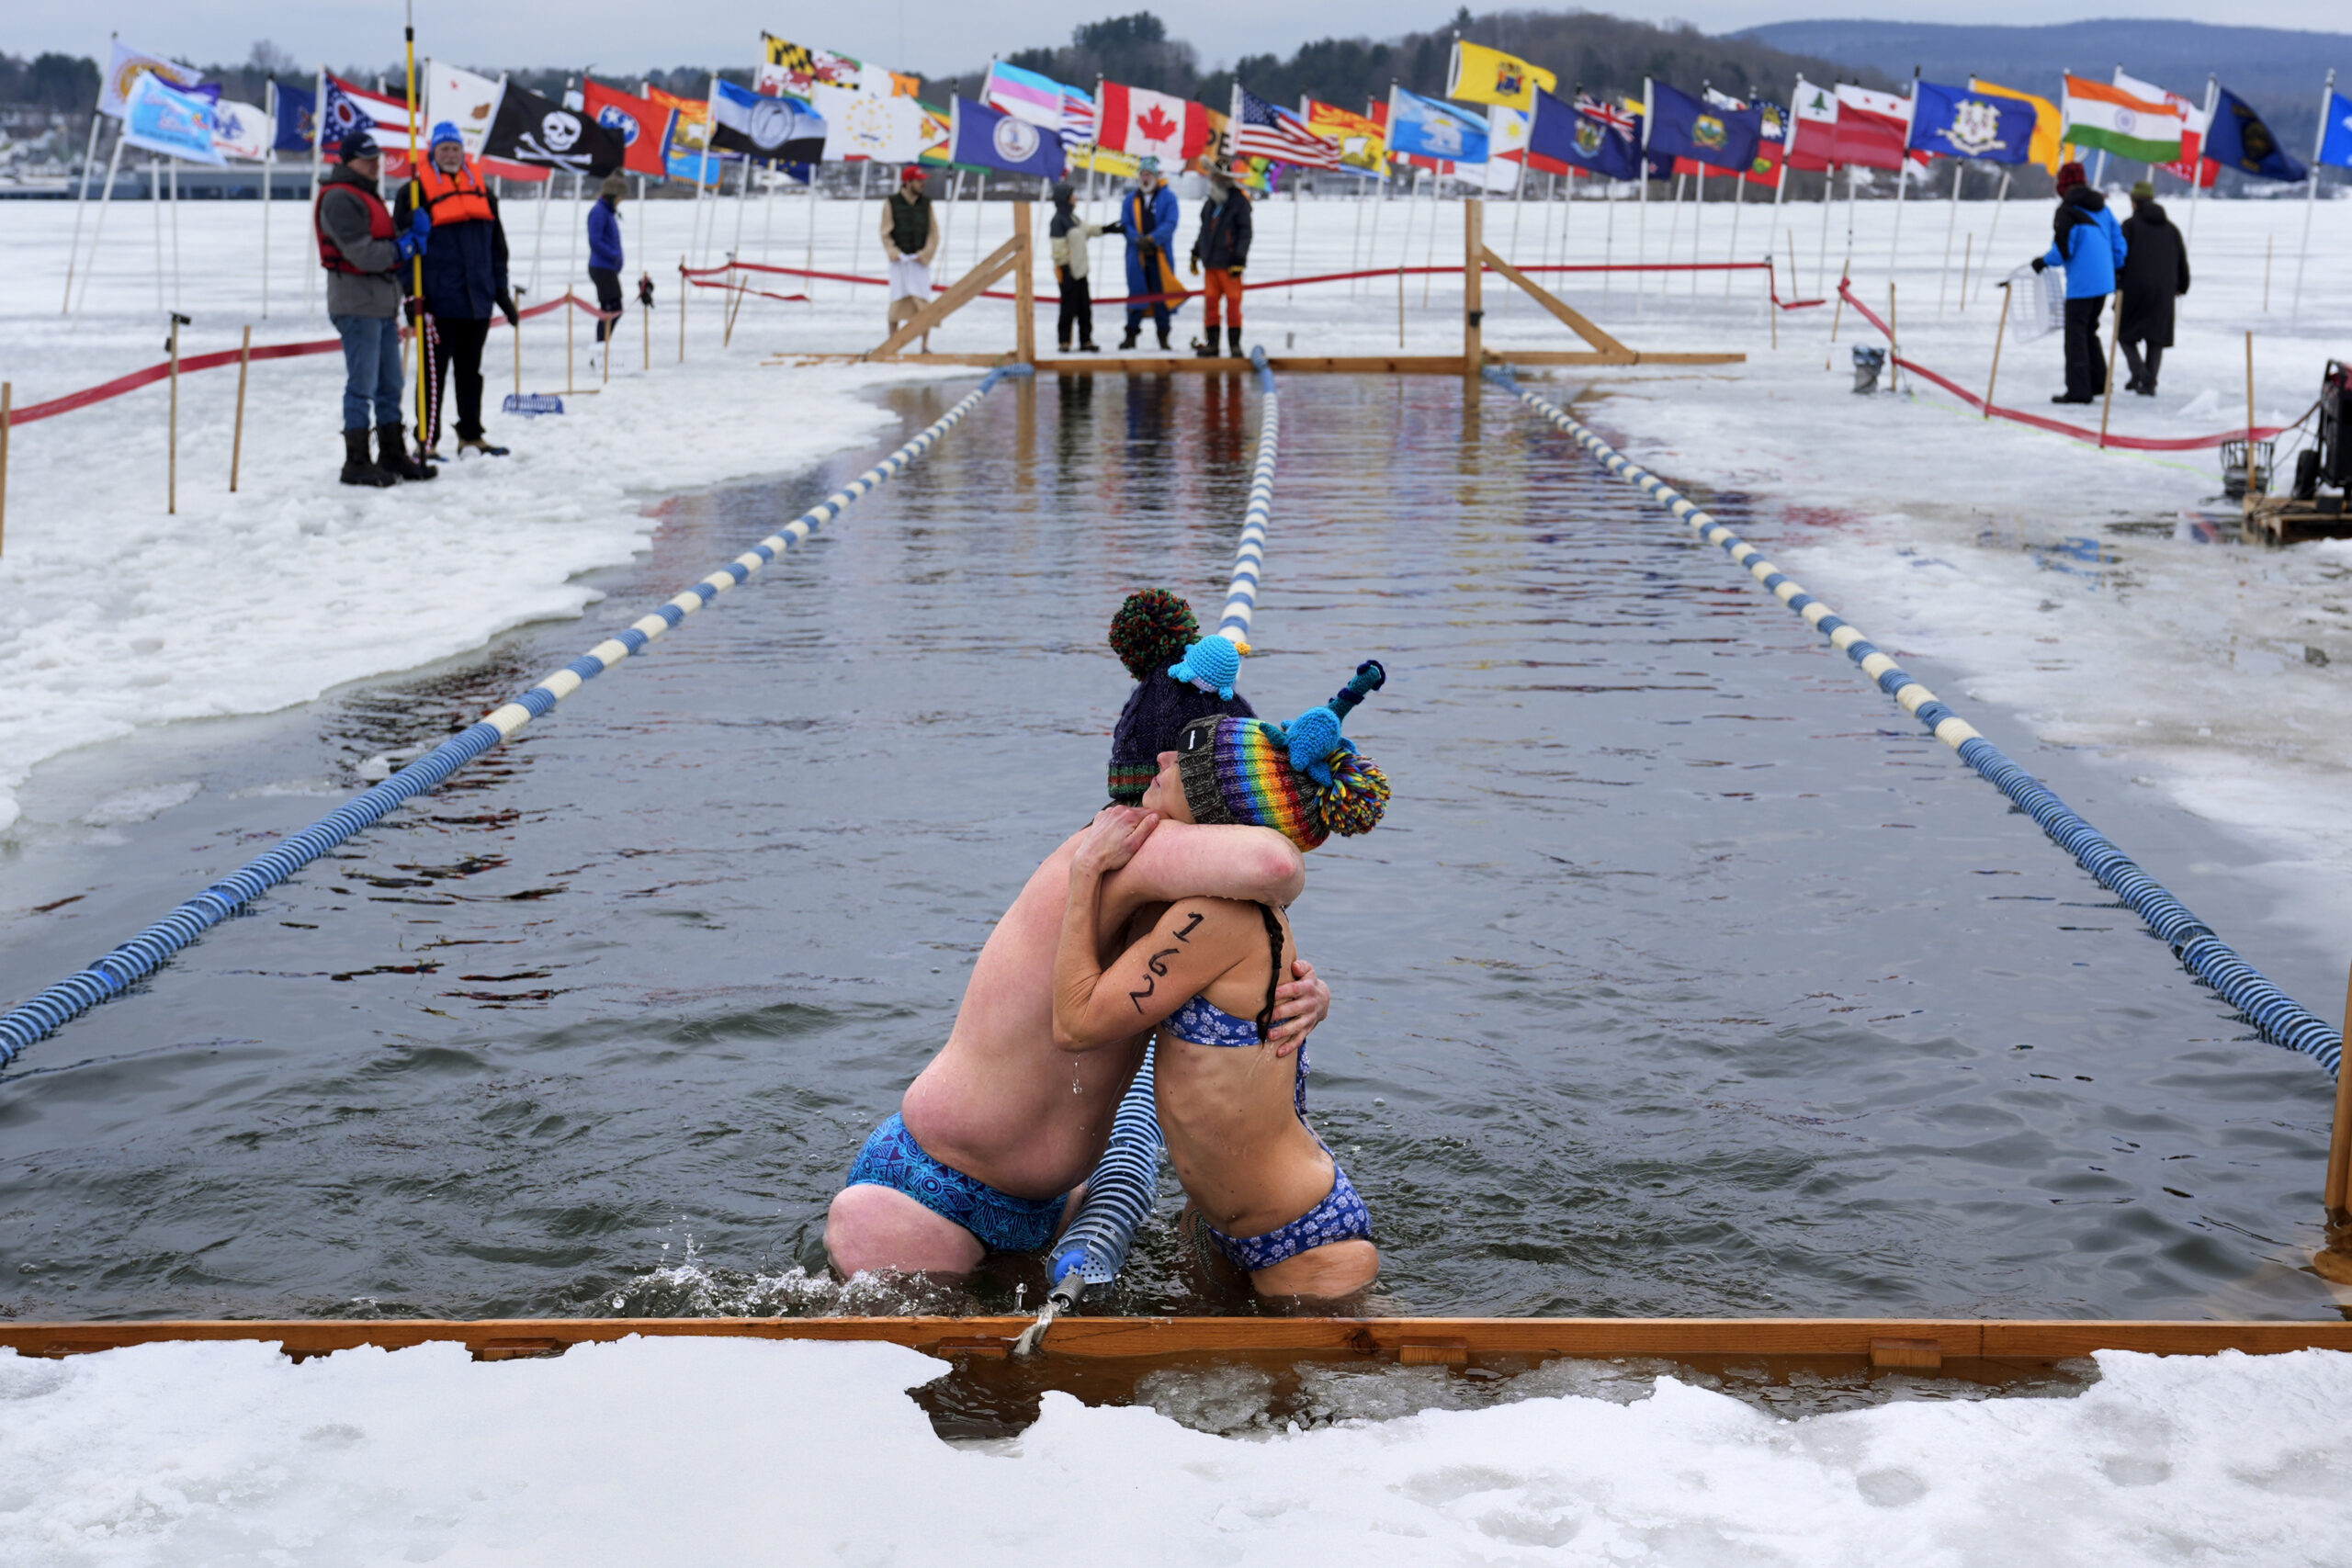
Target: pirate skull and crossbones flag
(529, 128)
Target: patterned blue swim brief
(1340, 1216)
(892, 1158)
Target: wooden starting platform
(2280, 520)
(1914, 1344)
(1602, 351)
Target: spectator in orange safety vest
(465, 280)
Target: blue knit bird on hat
(1314, 736)
(1214, 663)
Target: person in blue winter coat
(2089, 244)
(1148, 217)
(605, 258)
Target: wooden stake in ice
(1999, 333)
(237, 441)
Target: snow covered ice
(653, 1450)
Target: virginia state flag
(1959, 123)
(990, 139)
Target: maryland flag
(1477, 75)
(794, 68)
(1364, 145)
(2049, 149)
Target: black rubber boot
(356, 468)
(1233, 337)
(1165, 347)
(1207, 349)
(1135, 330)
(391, 455)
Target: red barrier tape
(2129, 443)
(214, 361)
(746, 289)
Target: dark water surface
(1687, 975)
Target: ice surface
(733, 1451)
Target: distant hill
(2277, 70)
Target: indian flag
(2099, 116)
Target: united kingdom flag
(1264, 130)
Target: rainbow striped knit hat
(1304, 779)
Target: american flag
(1264, 130)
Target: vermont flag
(1683, 126)
(2106, 116)
(1477, 75)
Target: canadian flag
(1872, 128)
(1151, 125)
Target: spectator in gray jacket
(363, 255)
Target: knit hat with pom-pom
(1151, 631)
(1304, 779)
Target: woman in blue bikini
(1266, 1193)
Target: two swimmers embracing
(1166, 919)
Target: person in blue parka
(2089, 244)
(465, 279)
(1147, 217)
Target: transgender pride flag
(1068, 112)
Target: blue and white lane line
(1126, 1180)
(1249, 555)
(150, 949)
(2278, 1016)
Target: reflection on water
(1687, 976)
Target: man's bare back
(999, 1104)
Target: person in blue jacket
(2089, 244)
(465, 281)
(605, 258)
(1149, 218)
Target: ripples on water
(1687, 975)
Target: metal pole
(539, 241)
(682, 286)
(517, 335)
(172, 436)
(318, 163)
(1821, 260)
(7, 405)
(2196, 164)
(237, 441)
(2252, 485)
(857, 223)
(1738, 201)
(1943, 281)
(81, 201)
(2310, 194)
(175, 234)
(416, 204)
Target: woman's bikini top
(1202, 1022)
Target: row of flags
(808, 105)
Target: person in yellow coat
(1149, 218)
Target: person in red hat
(910, 239)
(2088, 242)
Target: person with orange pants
(1223, 249)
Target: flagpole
(1992, 229)
(98, 226)
(175, 232)
(2196, 164)
(539, 242)
(1902, 175)
(857, 224)
(1673, 231)
(82, 200)
(1738, 200)
(1518, 202)
(417, 201)
(1959, 176)
(2099, 177)
(1641, 212)
(1780, 188)
(1429, 256)
(268, 163)
(1698, 211)
(155, 213)
(318, 158)
(2311, 194)
(1821, 257)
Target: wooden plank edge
(1952, 1339)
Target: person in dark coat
(1223, 247)
(2088, 242)
(2155, 273)
(604, 259)
(465, 280)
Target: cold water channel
(1687, 976)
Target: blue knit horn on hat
(1314, 736)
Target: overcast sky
(936, 36)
